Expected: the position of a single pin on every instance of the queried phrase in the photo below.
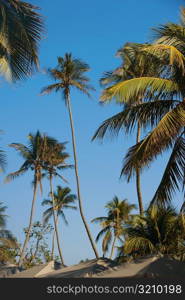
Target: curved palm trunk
(113, 245)
(55, 222)
(22, 255)
(53, 240)
(53, 245)
(138, 179)
(77, 178)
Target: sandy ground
(146, 267)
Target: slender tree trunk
(55, 222)
(138, 179)
(36, 249)
(22, 255)
(77, 178)
(53, 241)
(53, 245)
(112, 249)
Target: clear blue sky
(92, 31)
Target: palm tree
(69, 73)
(134, 65)
(63, 200)
(164, 112)
(54, 163)
(160, 230)
(7, 240)
(20, 32)
(118, 213)
(34, 156)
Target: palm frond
(129, 91)
(158, 140)
(162, 51)
(148, 113)
(173, 175)
(138, 243)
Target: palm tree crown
(20, 32)
(69, 73)
(63, 199)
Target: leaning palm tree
(118, 212)
(69, 73)
(63, 200)
(55, 162)
(34, 156)
(20, 32)
(135, 63)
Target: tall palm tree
(20, 32)
(34, 156)
(118, 212)
(160, 230)
(55, 161)
(63, 200)
(69, 73)
(135, 63)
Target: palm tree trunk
(36, 248)
(30, 224)
(53, 245)
(53, 241)
(55, 222)
(112, 250)
(77, 178)
(138, 179)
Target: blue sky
(92, 31)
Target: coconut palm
(7, 240)
(20, 32)
(134, 65)
(69, 73)
(160, 230)
(55, 161)
(164, 112)
(118, 212)
(63, 200)
(34, 156)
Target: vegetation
(70, 73)
(149, 85)
(8, 242)
(160, 231)
(118, 213)
(63, 199)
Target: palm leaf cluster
(160, 231)
(7, 240)
(161, 113)
(118, 213)
(20, 32)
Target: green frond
(130, 91)
(138, 244)
(21, 29)
(148, 113)
(163, 51)
(15, 175)
(102, 232)
(99, 220)
(106, 241)
(52, 87)
(173, 176)
(22, 149)
(156, 142)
